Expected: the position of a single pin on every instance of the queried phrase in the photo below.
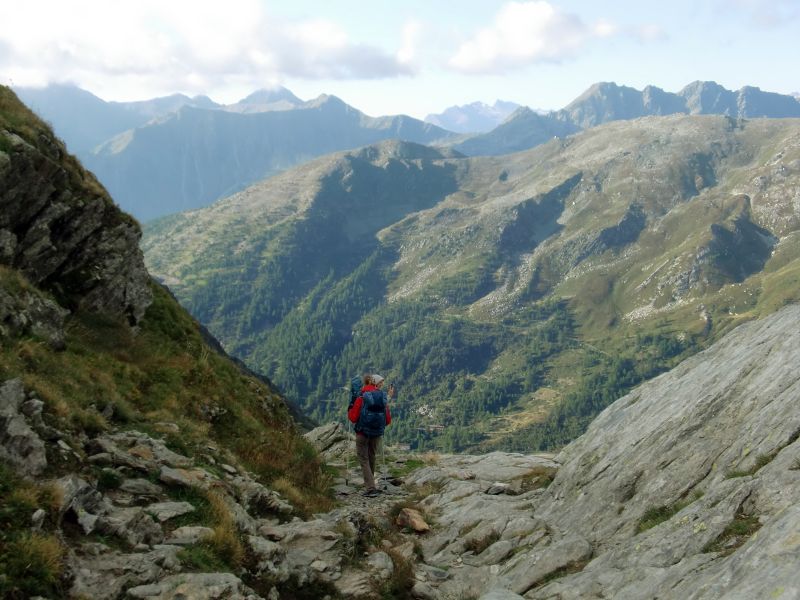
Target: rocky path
(668, 495)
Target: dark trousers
(366, 449)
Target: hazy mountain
(193, 157)
(509, 297)
(474, 117)
(157, 107)
(704, 97)
(267, 99)
(524, 129)
(84, 121)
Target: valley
(511, 298)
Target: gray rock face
(199, 586)
(713, 445)
(684, 431)
(27, 312)
(103, 574)
(58, 229)
(164, 511)
(20, 445)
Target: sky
(413, 57)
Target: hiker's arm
(388, 415)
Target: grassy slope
(164, 373)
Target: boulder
(332, 441)
(103, 574)
(188, 535)
(356, 584)
(191, 478)
(164, 511)
(500, 595)
(149, 449)
(381, 564)
(413, 519)
(20, 445)
(141, 487)
(197, 586)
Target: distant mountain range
(476, 117)
(606, 102)
(178, 153)
(83, 120)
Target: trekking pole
(382, 474)
(347, 454)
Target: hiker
(370, 413)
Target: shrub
(200, 558)
(401, 581)
(108, 479)
(34, 563)
(224, 542)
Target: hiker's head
(377, 380)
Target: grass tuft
(762, 460)
(660, 514)
(738, 531)
(476, 545)
(34, 564)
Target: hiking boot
(371, 493)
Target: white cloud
(525, 33)
(180, 44)
(412, 33)
(764, 14)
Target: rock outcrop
(685, 488)
(59, 227)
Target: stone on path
(412, 519)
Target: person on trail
(370, 413)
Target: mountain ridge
(604, 102)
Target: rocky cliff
(59, 227)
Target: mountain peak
(270, 95)
(702, 86)
(328, 101)
(520, 112)
(473, 117)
